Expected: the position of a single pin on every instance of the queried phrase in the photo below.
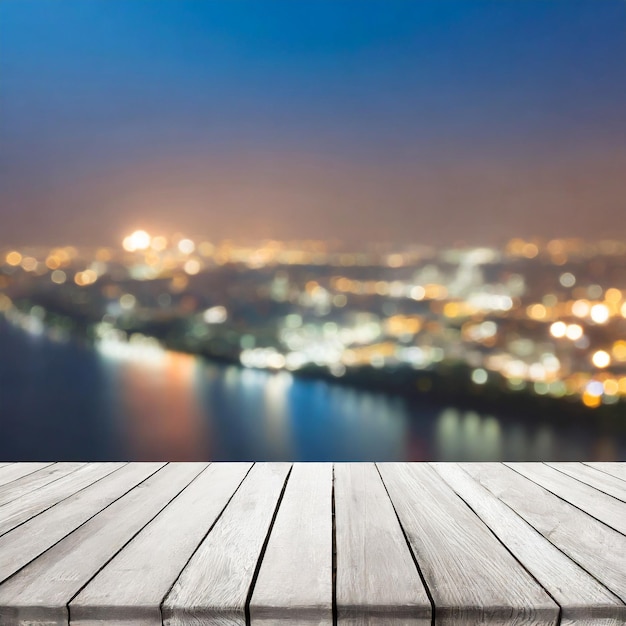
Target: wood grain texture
(130, 589)
(378, 583)
(597, 548)
(614, 469)
(15, 471)
(19, 488)
(28, 541)
(213, 587)
(472, 578)
(295, 579)
(594, 478)
(597, 504)
(16, 512)
(41, 591)
(583, 600)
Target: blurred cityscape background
(311, 232)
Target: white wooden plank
(19, 488)
(593, 545)
(41, 591)
(214, 586)
(614, 469)
(599, 505)
(14, 471)
(28, 541)
(295, 581)
(583, 600)
(378, 583)
(594, 478)
(31, 504)
(472, 578)
(130, 589)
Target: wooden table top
(388, 544)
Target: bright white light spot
(216, 315)
(186, 246)
(601, 359)
(600, 313)
(574, 331)
(418, 293)
(139, 240)
(558, 329)
(595, 388)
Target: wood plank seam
(408, 545)
(133, 536)
(600, 468)
(583, 482)
(511, 553)
(510, 466)
(80, 525)
(257, 568)
(37, 469)
(30, 491)
(548, 537)
(71, 495)
(215, 521)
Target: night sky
(412, 121)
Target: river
(64, 400)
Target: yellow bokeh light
(619, 350)
(191, 267)
(601, 359)
(613, 295)
(591, 401)
(159, 243)
(29, 263)
(530, 250)
(611, 387)
(536, 311)
(14, 258)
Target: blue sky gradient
(432, 120)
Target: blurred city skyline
(428, 122)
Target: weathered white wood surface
(597, 504)
(583, 600)
(614, 469)
(41, 591)
(14, 471)
(33, 537)
(152, 544)
(19, 510)
(378, 583)
(594, 546)
(19, 488)
(131, 587)
(472, 578)
(297, 568)
(594, 478)
(213, 588)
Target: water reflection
(65, 401)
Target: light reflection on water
(66, 401)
